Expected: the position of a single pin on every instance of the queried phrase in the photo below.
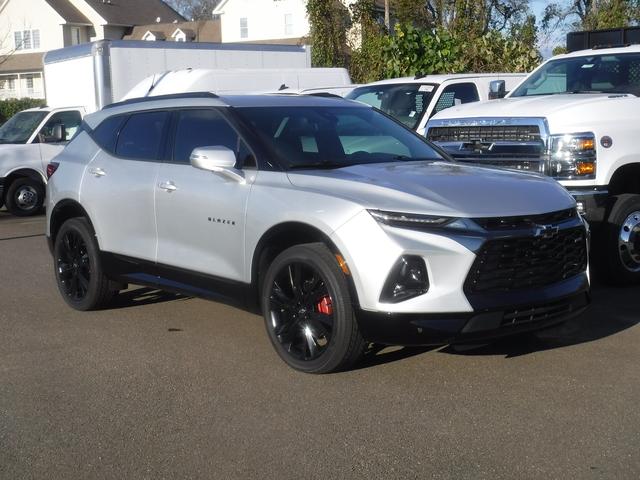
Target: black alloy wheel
(79, 275)
(308, 310)
(301, 311)
(73, 266)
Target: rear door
(201, 214)
(119, 183)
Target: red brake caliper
(325, 306)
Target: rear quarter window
(106, 134)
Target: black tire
(304, 334)
(77, 267)
(616, 251)
(25, 197)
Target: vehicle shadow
(612, 311)
(144, 296)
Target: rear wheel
(78, 270)
(620, 259)
(308, 312)
(25, 197)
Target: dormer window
(182, 35)
(150, 36)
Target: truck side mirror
(497, 89)
(58, 133)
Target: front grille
(511, 264)
(494, 133)
(528, 221)
(537, 313)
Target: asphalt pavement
(167, 386)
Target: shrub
(8, 108)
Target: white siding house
(272, 21)
(28, 28)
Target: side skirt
(125, 269)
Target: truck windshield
(615, 73)
(406, 102)
(20, 127)
(334, 137)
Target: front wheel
(25, 197)
(620, 261)
(308, 312)
(78, 269)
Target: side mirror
(58, 133)
(217, 159)
(497, 89)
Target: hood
(439, 188)
(534, 106)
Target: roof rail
(162, 97)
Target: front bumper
(464, 327)
(592, 203)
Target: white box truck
(99, 73)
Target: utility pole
(387, 16)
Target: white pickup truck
(28, 142)
(413, 100)
(575, 118)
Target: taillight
(51, 169)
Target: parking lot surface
(167, 386)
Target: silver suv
(347, 228)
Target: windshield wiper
(584, 91)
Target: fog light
(408, 279)
(585, 168)
(581, 207)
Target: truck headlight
(573, 156)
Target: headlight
(422, 222)
(573, 156)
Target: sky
(546, 44)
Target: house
(197, 31)
(28, 28)
(267, 21)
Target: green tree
(591, 14)
(329, 21)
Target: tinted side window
(71, 121)
(457, 94)
(141, 136)
(202, 128)
(106, 134)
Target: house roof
(68, 11)
(21, 62)
(201, 31)
(134, 12)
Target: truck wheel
(621, 256)
(308, 312)
(78, 269)
(25, 197)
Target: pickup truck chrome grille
(510, 264)
(480, 133)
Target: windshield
(20, 127)
(592, 74)
(334, 137)
(406, 102)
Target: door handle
(97, 172)
(168, 186)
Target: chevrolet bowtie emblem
(546, 231)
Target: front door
(201, 214)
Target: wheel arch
(13, 175)
(63, 211)
(282, 236)
(626, 179)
